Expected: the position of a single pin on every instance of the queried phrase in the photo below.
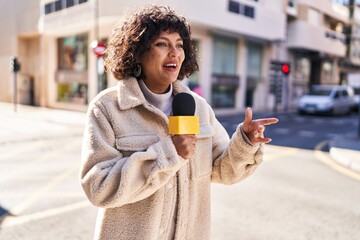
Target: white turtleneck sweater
(161, 101)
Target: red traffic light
(285, 68)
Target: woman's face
(162, 63)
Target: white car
(327, 99)
(356, 98)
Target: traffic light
(285, 68)
(14, 65)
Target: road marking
(48, 194)
(324, 158)
(38, 194)
(45, 157)
(282, 130)
(281, 152)
(305, 133)
(10, 221)
(338, 121)
(34, 144)
(332, 135)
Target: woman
(147, 183)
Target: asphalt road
(293, 194)
(300, 131)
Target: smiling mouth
(170, 66)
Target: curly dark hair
(129, 41)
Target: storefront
(72, 73)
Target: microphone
(183, 120)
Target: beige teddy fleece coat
(131, 171)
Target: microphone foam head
(183, 105)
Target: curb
(346, 157)
(345, 150)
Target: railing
(335, 36)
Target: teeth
(170, 65)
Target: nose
(174, 52)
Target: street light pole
(15, 91)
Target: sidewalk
(30, 123)
(51, 115)
(346, 151)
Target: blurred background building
(237, 41)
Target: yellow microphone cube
(184, 125)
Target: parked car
(327, 100)
(356, 98)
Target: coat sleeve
(110, 179)
(233, 159)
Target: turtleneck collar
(160, 101)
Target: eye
(161, 44)
(180, 45)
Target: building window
(234, 7)
(249, 11)
(342, 2)
(72, 76)
(254, 70)
(327, 72)
(73, 53)
(70, 3)
(224, 79)
(58, 5)
(243, 9)
(225, 55)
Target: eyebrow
(165, 38)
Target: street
(295, 194)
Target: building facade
(236, 41)
(316, 43)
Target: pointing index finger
(267, 121)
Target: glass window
(72, 71)
(225, 54)
(327, 72)
(234, 7)
(58, 5)
(49, 8)
(70, 3)
(254, 70)
(225, 80)
(342, 2)
(254, 58)
(319, 92)
(73, 54)
(73, 93)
